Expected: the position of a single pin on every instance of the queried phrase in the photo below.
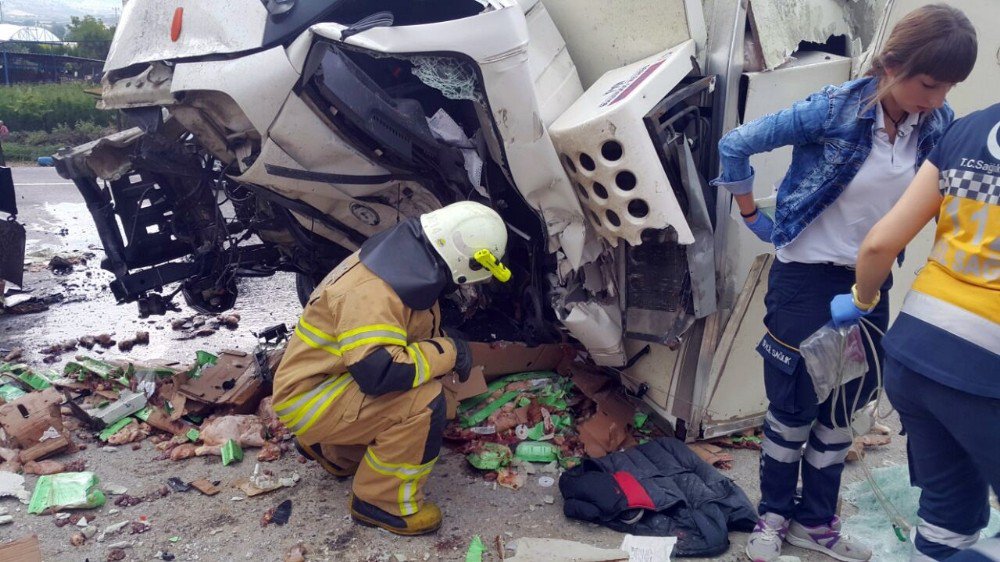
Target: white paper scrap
(648, 549)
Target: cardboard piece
(232, 380)
(503, 358)
(474, 386)
(33, 423)
(24, 549)
(607, 430)
(712, 454)
(531, 549)
(205, 487)
(158, 419)
(601, 434)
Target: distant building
(10, 32)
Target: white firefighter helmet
(470, 238)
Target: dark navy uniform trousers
(800, 434)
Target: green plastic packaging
(536, 433)
(193, 435)
(639, 419)
(10, 393)
(231, 452)
(535, 451)
(68, 490)
(84, 365)
(36, 381)
(202, 359)
(493, 406)
(472, 403)
(476, 550)
(114, 428)
(144, 413)
(492, 457)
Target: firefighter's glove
(761, 225)
(844, 311)
(463, 359)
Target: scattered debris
(857, 450)
(178, 485)
(476, 550)
(749, 439)
(42, 468)
(263, 481)
(12, 485)
(231, 452)
(78, 539)
(127, 404)
(296, 554)
(139, 527)
(205, 487)
(116, 554)
(68, 490)
(870, 441)
(126, 344)
(115, 489)
(712, 454)
(126, 500)
(510, 477)
(278, 515)
(34, 424)
(111, 530)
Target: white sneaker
(764, 544)
(828, 540)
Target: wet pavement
(57, 223)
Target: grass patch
(16, 152)
(43, 107)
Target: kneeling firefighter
(358, 383)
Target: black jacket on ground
(680, 495)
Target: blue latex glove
(844, 312)
(763, 226)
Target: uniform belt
(302, 411)
(851, 267)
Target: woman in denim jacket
(856, 148)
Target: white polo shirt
(836, 234)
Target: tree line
(90, 38)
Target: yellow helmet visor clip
(486, 259)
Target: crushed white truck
(278, 135)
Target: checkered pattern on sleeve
(971, 185)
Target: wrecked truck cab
(275, 140)
(287, 154)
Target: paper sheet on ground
(648, 549)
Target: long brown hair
(936, 39)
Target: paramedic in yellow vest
(358, 383)
(942, 370)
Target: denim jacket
(831, 132)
